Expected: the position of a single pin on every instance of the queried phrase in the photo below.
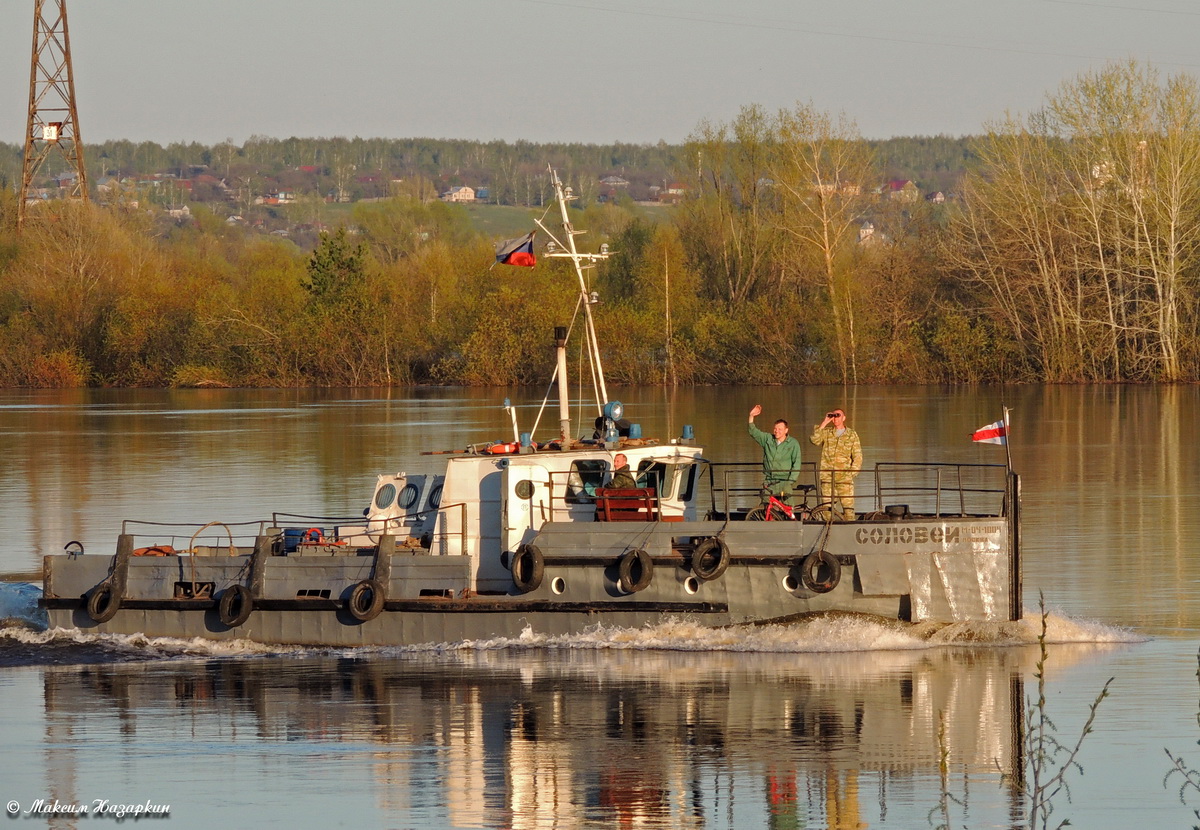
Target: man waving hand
(781, 457)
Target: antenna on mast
(53, 125)
(563, 195)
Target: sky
(593, 71)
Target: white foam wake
(822, 634)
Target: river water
(837, 722)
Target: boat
(522, 535)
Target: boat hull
(939, 570)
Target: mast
(564, 397)
(587, 299)
(563, 195)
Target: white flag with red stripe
(996, 433)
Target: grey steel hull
(939, 570)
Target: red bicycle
(776, 510)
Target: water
(834, 723)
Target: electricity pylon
(53, 126)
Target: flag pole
(1007, 441)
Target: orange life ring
(155, 550)
(503, 449)
(313, 535)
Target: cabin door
(526, 503)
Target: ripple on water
(24, 642)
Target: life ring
(103, 603)
(528, 567)
(503, 448)
(235, 605)
(710, 559)
(820, 572)
(366, 600)
(155, 550)
(635, 570)
(312, 536)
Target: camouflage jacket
(838, 452)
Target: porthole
(435, 496)
(691, 585)
(385, 496)
(558, 585)
(524, 489)
(408, 496)
(790, 583)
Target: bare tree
(729, 224)
(1083, 225)
(824, 173)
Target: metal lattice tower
(53, 126)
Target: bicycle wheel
(820, 513)
(759, 514)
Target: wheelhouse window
(408, 496)
(652, 473)
(668, 479)
(385, 496)
(687, 481)
(584, 478)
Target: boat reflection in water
(545, 738)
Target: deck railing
(924, 489)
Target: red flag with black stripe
(517, 251)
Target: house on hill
(901, 190)
(280, 196)
(459, 194)
(672, 193)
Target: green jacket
(781, 462)
(622, 479)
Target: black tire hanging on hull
(710, 559)
(528, 568)
(366, 600)
(235, 605)
(635, 571)
(103, 603)
(820, 572)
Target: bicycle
(776, 510)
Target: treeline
(90, 296)
(1072, 255)
(513, 173)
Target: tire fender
(528, 567)
(710, 559)
(366, 600)
(103, 603)
(235, 605)
(635, 571)
(820, 572)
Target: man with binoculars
(841, 459)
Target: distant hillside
(511, 173)
(932, 162)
